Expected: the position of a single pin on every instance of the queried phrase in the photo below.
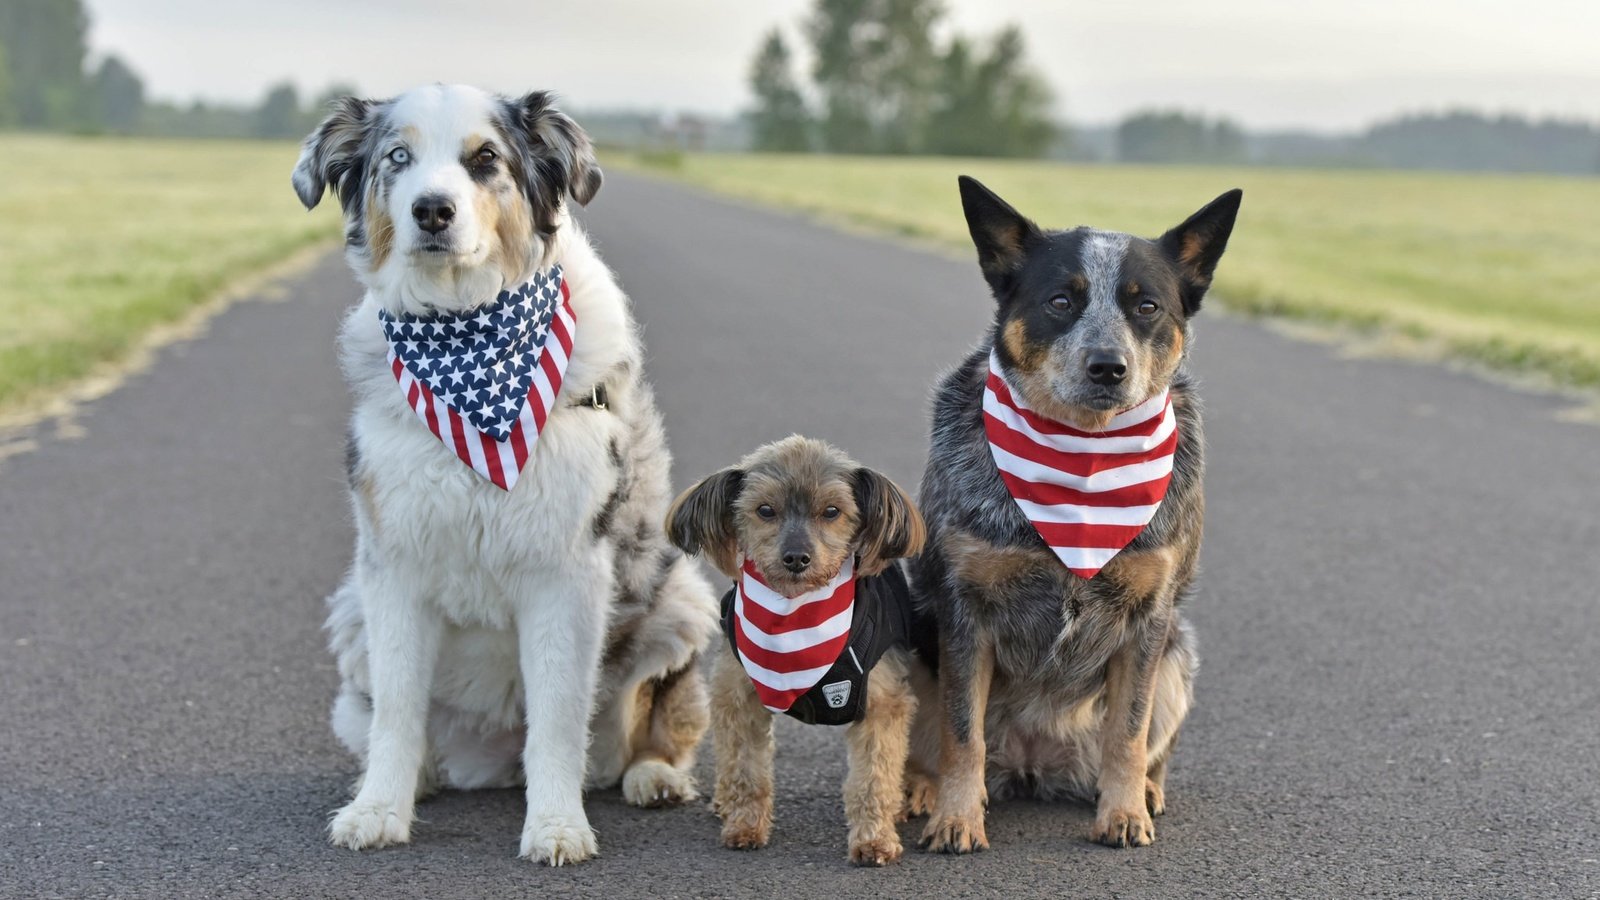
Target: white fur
(460, 593)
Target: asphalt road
(1398, 615)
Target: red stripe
(548, 364)
(433, 417)
(491, 455)
(1079, 464)
(398, 367)
(808, 616)
(413, 394)
(458, 432)
(519, 437)
(779, 700)
(1105, 537)
(1143, 494)
(813, 657)
(1049, 426)
(558, 325)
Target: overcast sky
(1322, 64)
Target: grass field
(1502, 269)
(106, 239)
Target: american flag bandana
(484, 381)
(1087, 493)
(788, 643)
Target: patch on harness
(838, 694)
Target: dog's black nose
(433, 213)
(1107, 367)
(796, 562)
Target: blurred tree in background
(990, 105)
(875, 65)
(884, 85)
(118, 96)
(8, 106)
(781, 121)
(1174, 136)
(279, 115)
(44, 48)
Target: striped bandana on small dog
(484, 381)
(1087, 493)
(788, 643)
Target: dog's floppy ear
(701, 520)
(890, 525)
(559, 160)
(331, 154)
(1197, 245)
(1000, 233)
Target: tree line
(882, 82)
(48, 84)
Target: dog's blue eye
(765, 511)
(399, 156)
(831, 512)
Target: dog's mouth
(791, 585)
(1102, 401)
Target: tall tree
(781, 121)
(44, 47)
(8, 106)
(118, 96)
(279, 114)
(993, 105)
(875, 66)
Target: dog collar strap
(1087, 493)
(787, 644)
(484, 381)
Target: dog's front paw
(1123, 827)
(1155, 797)
(558, 840)
(879, 851)
(955, 833)
(922, 792)
(745, 827)
(361, 826)
(654, 782)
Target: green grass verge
(106, 239)
(1502, 269)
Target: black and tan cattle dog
(1064, 509)
(818, 624)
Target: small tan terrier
(818, 626)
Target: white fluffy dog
(483, 629)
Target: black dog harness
(882, 620)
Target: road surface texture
(1398, 615)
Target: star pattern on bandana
(481, 362)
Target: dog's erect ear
(1197, 245)
(331, 154)
(890, 525)
(1000, 233)
(701, 520)
(560, 160)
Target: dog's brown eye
(1147, 307)
(765, 511)
(1061, 303)
(831, 512)
(485, 157)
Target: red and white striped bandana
(484, 381)
(788, 643)
(1087, 493)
